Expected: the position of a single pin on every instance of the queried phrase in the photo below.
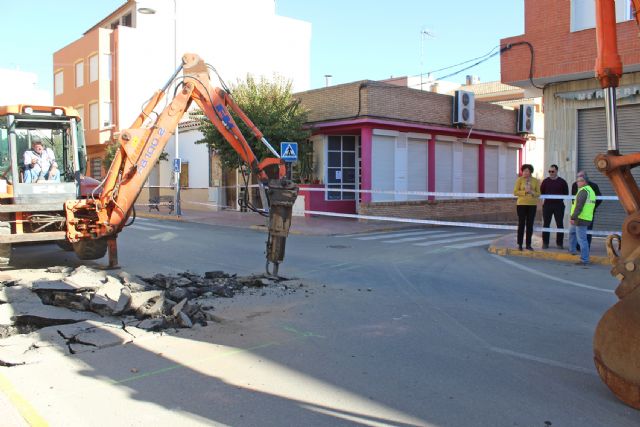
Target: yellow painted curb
(548, 255)
(21, 404)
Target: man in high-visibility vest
(581, 217)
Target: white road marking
(543, 360)
(166, 227)
(470, 244)
(550, 277)
(387, 235)
(413, 239)
(141, 227)
(374, 234)
(457, 239)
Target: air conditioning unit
(463, 108)
(526, 114)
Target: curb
(547, 255)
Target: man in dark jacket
(596, 189)
(553, 208)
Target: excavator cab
(31, 199)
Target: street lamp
(423, 33)
(176, 169)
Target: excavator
(100, 217)
(616, 342)
(86, 215)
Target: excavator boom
(104, 215)
(616, 341)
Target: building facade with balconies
(110, 72)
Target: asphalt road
(379, 333)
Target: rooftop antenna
(423, 34)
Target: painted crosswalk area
(442, 237)
(152, 225)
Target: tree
(270, 105)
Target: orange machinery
(617, 338)
(102, 216)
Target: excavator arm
(616, 341)
(104, 215)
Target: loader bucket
(616, 342)
(282, 195)
(616, 346)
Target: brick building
(562, 54)
(388, 140)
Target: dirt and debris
(63, 295)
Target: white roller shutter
(444, 167)
(417, 167)
(382, 167)
(470, 168)
(512, 169)
(491, 169)
(592, 140)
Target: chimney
(472, 80)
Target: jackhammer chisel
(282, 195)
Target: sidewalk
(328, 226)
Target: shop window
(341, 167)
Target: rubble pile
(64, 295)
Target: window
(93, 68)
(583, 13)
(80, 110)
(96, 168)
(93, 116)
(126, 20)
(79, 74)
(58, 84)
(341, 167)
(105, 114)
(105, 73)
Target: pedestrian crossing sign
(289, 151)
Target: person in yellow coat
(527, 189)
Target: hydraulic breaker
(282, 195)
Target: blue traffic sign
(289, 151)
(177, 165)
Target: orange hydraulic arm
(616, 342)
(105, 215)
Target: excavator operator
(40, 163)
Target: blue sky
(351, 39)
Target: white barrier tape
(444, 194)
(423, 193)
(449, 223)
(411, 220)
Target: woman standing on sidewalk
(527, 189)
